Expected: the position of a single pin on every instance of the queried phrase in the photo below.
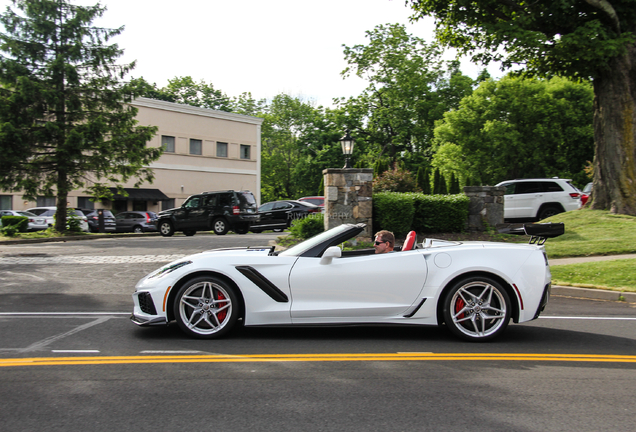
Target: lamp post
(347, 148)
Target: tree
(410, 87)
(585, 39)
(518, 128)
(185, 90)
(64, 117)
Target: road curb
(594, 294)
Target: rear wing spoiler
(538, 232)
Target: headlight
(168, 269)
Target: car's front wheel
(166, 229)
(477, 309)
(547, 212)
(220, 227)
(189, 233)
(241, 229)
(206, 307)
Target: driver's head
(384, 241)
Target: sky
(265, 47)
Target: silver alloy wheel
(205, 308)
(165, 228)
(478, 309)
(137, 229)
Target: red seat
(410, 241)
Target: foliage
(74, 222)
(423, 180)
(393, 211)
(12, 224)
(409, 88)
(396, 180)
(591, 39)
(64, 118)
(308, 227)
(518, 128)
(440, 213)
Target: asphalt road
(70, 359)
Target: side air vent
(263, 283)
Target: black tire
(189, 233)
(548, 211)
(278, 229)
(220, 226)
(206, 307)
(166, 229)
(477, 309)
(241, 229)
(138, 229)
(256, 230)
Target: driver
(384, 242)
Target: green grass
(617, 275)
(592, 232)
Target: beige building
(204, 150)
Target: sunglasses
(378, 243)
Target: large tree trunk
(615, 137)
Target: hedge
(403, 212)
(21, 222)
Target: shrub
(15, 224)
(440, 213)
(396, 180)
(393, 211)
(308, 227)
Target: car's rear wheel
(241, 229)
(548, 211)
(166, 229)
(477, 309)
(220, 227)
(206, 307)
(189, 233)
(256, 230)
(138, 229)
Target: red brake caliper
(221, 315)
(459, 305)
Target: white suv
(539, 198)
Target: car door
(123, 222)
(265, 213)
(281, 213)
(356, 289)
(191, 209)
(524, 201)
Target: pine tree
(423, 180)
(453, 185)
(437, 180)
(65, 121)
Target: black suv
(218, 211)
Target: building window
(167, 142)
(85, 203)
(245, 151)
(167, 204)
(139, 205)
(221, 149)
(5, 202)
(195, 146)
(45, 201)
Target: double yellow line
(257, 358)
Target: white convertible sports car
(474, 288)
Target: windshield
(300, 248)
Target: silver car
(49, 214)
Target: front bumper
(144, 321)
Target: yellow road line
(255, 358)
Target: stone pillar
(349, 197)
(486, 206)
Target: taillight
(236, 210)
(575, 195)
(147, 218)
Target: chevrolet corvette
(473, 288)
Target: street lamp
(347, 148)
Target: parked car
(136, 221)
(36, 223)
(539, 199)
(278, 215)
(472, 288)
(218, 211)
(585, 193)
(93, 220)
(315, 200)
(48, 213)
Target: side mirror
(331, 253)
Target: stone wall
(348, 197)
(486, 206)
